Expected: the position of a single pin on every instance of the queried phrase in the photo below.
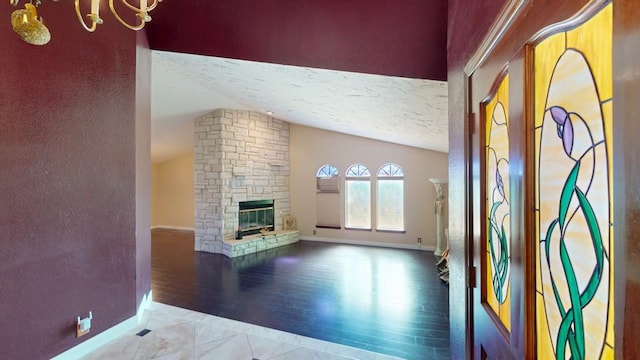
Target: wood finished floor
(389, 301)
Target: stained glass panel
(497, 229)
(574, 213)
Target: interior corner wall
(67, 184)
(172, 184)
(143, 168)
(312, 148)
(238, 156)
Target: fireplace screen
(255, 215)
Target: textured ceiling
(401, 42)
(400, 110)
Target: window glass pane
(358, 170)
(358, 204)
(327, 171)
(390, 207)
(390, 170)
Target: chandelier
(31, 28)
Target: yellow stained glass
(497, 229)
(574, 210)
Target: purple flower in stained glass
(565, 128)
(499, 183)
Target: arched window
(327, 171)
(328, 197)
(327, 179)
(390, 198)
(358, 197)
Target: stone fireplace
(238, 156)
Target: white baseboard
(171, 227)
(114, 332)
(369, 243)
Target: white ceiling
(399, 110)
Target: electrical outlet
(314, 232)
(419, 240)
(84, 325)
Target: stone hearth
(255, 243)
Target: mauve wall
(468, 24)
(67, 183)
(390, 37)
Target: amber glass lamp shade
(26, 24)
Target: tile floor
(178, 334)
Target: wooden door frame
(500, 26)
(626, 186)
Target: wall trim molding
(114, 332)
(172, 227)
(500, 26)
(369, 243)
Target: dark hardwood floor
(385, 300)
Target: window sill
(357, 229)
(391, 231)
(337, 227)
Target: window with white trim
(328, 197)
(358, 197)
(390, 198)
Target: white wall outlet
(84, 325)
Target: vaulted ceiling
(370, 68)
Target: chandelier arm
(153, 5)
(137, 9)
(124, 23)
(94, 24)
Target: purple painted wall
(468, 23)
(389, 37)
(67, 183)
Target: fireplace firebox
(255, 215)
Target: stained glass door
(496, 225)
(573, 113)
(553, 236)
(493, 225)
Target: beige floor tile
(308, 354)
(262, 348)
(180, 334)
(233, 348)
(186, 354)
(206, 332)
(167, 340)
(121, 348)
